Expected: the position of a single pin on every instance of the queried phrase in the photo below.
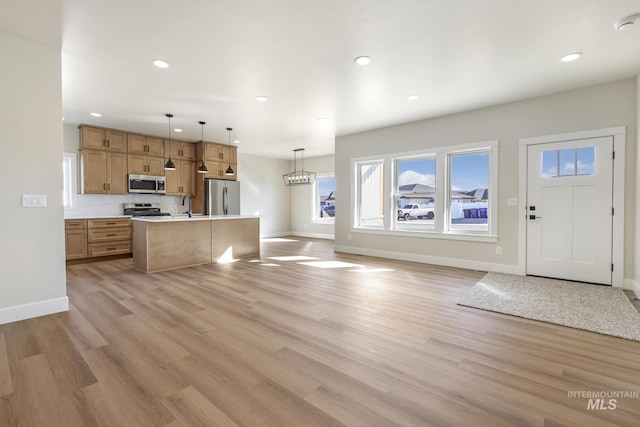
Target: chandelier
(298, 177)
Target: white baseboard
(632, 285)
(314, 235)
(278, 234)
(427, 259)
(35, 309)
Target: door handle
(534, 217)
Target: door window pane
(371, 201)
(416, 192)
(549, 163)
(567, 162)
(469, 191)
(586, 160)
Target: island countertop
(165, 243)
(195, 217)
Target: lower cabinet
(75, 238)
(93, 238)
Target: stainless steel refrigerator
(221, 197)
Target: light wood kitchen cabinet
(76, 239)
(142, 144)
(142, 164)
(220, 153)
(217, 158)
(146, 155)
(180, 150)
(103, 172)
(108, 236)
(218, 170)
(96, 138)
(181, 181)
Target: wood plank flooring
(327, 340)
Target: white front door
(569, 210)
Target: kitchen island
(167, 243)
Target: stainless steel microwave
(147, 184)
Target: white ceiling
(457, 54)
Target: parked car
(328, 211)
(416, 211)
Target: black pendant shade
(169, 165)
(202, 168)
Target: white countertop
(97, 216)
(195, 217)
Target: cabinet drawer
(75, 224)
(109, 248)
(109, 234)
(109, 222)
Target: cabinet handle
(111, 223)
(111, 234)
(108, 145)
(104, 142)
(111, 249)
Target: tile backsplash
(89, 205)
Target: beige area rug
(595, 308)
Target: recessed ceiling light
(323, 120)
(262, 98)
(161, 63)
(626, 22)
(96, 114)
(363, 60)
(413, 97)
(235, 141)
(177, 130)
(571, 57)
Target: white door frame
(619, 142)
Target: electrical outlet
(349, 236)
(512, 201)
(498, 250)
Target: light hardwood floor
(277, 342)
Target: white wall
(32, 244)
(302, 201)
(596, 107)
(263, 193)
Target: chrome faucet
(188, 212)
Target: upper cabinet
(217, 158)
(180, 150)
(141, 144)
(146, 155)
(95, 138)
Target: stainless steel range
(143, 209)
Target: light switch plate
(512, 201)
(34, 201)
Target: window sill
(426, 234)
(324, 221)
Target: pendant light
(298, 177)
(169, 166)
(203, 168)
(229, 170)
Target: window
(69, 191)
(370, 194)
(415, 192)
(469, 191)
(446, 192)
(568, 162)
(325, 202)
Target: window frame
(70, 180)
(356, 198)
(440, 229)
